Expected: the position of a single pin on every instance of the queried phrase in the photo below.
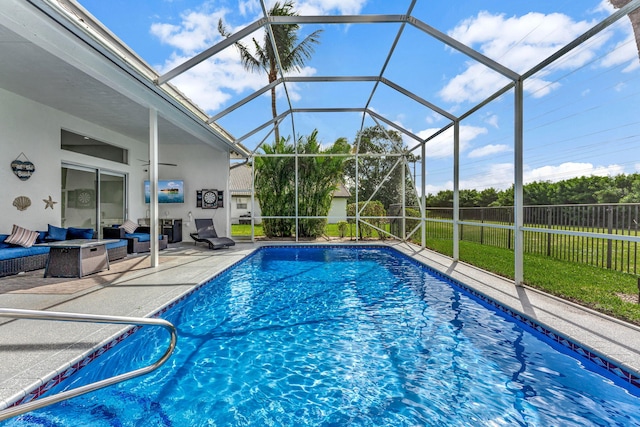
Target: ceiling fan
(147, 163)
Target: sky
(580, 112)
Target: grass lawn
(593, 287)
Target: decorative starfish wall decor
(49, 203)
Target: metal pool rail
(87, 318)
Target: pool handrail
(13, 411)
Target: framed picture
(169, 191)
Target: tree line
(623, 188)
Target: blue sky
(581, 113)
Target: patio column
(153, 185)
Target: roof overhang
(83, 70)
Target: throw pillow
(129, 226)
(42, 238)
(3, 244)
(56, 233)
(79, 233)
(22, 237)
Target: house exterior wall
(34, 129)
(201, 168)
(237, 212)
(337, 212)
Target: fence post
(510, 230)
(482, 227)
(549, 225)
(610, 231)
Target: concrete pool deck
(33, 351)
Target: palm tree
(634, 17)
(275, 184)
(292, 54)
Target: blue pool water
(342, 337)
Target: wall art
(23, 168)
(22, 203)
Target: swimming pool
(343, 336)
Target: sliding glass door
(92, 198)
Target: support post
(423, 183)
(518, 191)
(357, 209)
(153, 186)
(404, 199)
(456, 189)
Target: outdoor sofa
(138, 237)
(15, 258)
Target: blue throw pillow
(42, 237)
(79, 233)
(56, 233)
(2, 243)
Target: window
(241, 206)
(92, 147)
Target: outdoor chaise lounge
(207, 234)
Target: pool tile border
(581, 351)
(62, 376)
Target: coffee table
(77, 257)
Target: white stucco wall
(235, 212)
(34, 129)
(200, 167)
(338, 210)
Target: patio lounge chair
(207, 234)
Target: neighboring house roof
(240, 183)
(341, 192)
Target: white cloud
(212, 83)
(500, 175)
(196, 31)
(475, 84)
(492, 120)
(488, 150)
(249, 7)
(433, 117)
(570, 170)
(497, 175)
(625, 51)
(519, 43)
(442, 145)
(309, 7)
(324, 7)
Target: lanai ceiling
(59, 65)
